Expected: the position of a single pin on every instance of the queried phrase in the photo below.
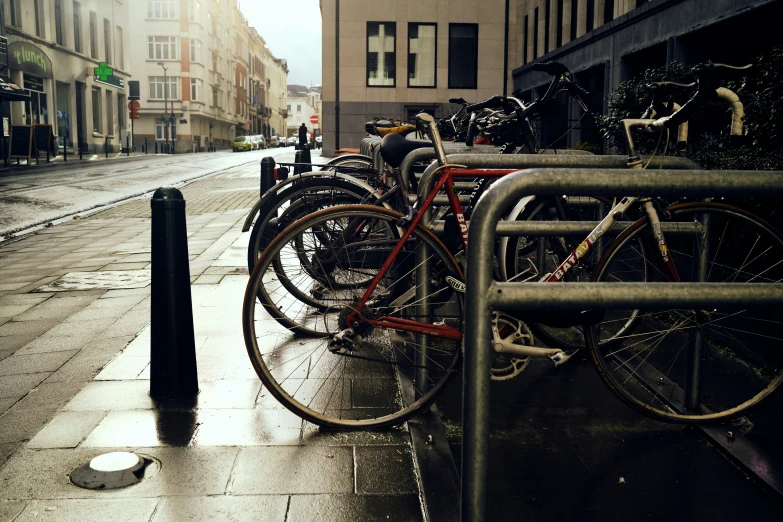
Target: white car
(292, 141)
(319, 141)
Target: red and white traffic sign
(314, 119)
(134, 105)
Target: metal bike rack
(499, 161)
(484, 295)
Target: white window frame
(158, 46)
(196, 89)
(195, 51)
(162, 9)
(194, 11)
(157, 86)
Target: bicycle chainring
(509, 329)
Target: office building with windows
(54, 47)
(197, 62)
(395, 59)
(605, 42)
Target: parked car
(319, 141)
(292, 141)
(243, 143)
(260, 142)
(272, 141)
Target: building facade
(605, 42)
(303, 104)
(54, 47)
(200, 69)
(268, 93)
(395, 59)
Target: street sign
(134, 91)
(134, 105)
(314, 119)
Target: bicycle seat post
(432, 130)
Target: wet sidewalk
(74, 331)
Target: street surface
(29, 198)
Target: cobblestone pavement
(74, 383)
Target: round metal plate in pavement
(110, 471)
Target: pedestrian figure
(302, 137)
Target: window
(96, 110)
(463, 56)
(58, 21)
(299, 108)
(289, 107)
(196, 86)
(16, 13)
(574, 7)
(214, 97)
(38, 21)
(120, 49)
(109, 114)
(93, 35)
(162, 131)
(194, 11)
(163, 47)
(559, 36)
(162, 9)
(590, 15)
(195, 51)
(547, 19)
(77, 27)
(158, 90)
(422, 54)
(535, 33)
(381, 55)
(608, 11)
(107, 41)
(524, 42)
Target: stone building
(605, 42)
(304, 103)
(203, 57)
(395, 59)
(54, 47)
(268, 92)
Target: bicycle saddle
(394, 148)
(371, 127)
(402, 129)
(551, 68)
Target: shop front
(31, 68)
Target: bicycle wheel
(369, 381)
(298, 200)
(740, 360)
(532, 258)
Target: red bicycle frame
(446, 180)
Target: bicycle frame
(447, 181)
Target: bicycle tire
(262, 233)
(389, 358)
(740, 365)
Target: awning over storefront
(9, 91)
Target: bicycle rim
(370, 385)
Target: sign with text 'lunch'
(29, 58)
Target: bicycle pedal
(562, 357)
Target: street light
(166, 101)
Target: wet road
(38, 196)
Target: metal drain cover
(110, 280)
(110, 471)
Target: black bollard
(267, 174)
(173, 370)
(106, 147)
(297, 161)
(145, 145)
(127, 142)
(306, 158)
(156, 147)
(80, 150)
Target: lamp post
(166, 101)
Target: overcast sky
(292, 30)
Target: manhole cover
(112, 280)
(111, 471)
